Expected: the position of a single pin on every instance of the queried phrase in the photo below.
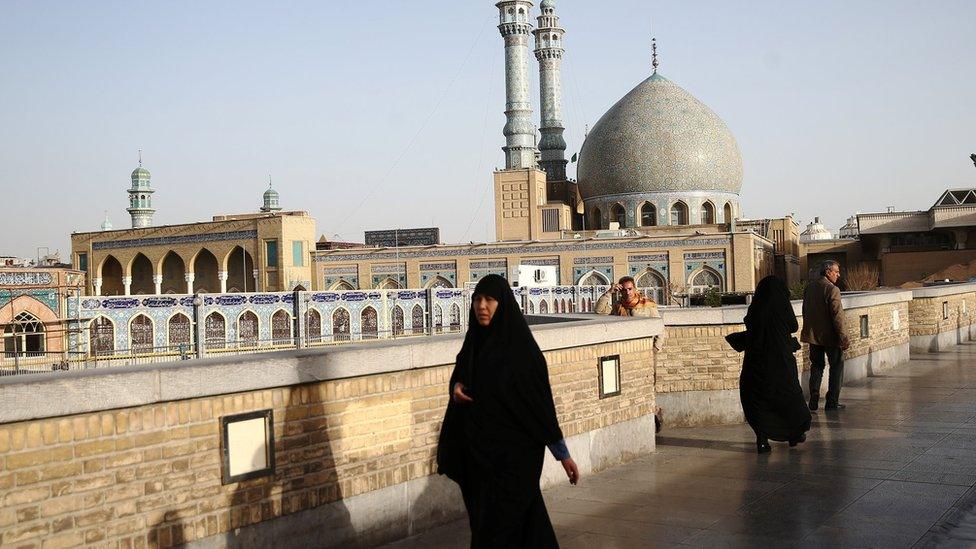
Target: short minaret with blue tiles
(140, 197)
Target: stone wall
(131, 457)
(942, 316)
(697, 377)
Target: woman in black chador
(499, 420)
(768, 386)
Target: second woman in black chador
(498, 422)
(769, 387)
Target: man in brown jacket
(823, 329)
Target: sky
(388, 114)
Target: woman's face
(484, 308)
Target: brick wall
(926, 313)
(149, 476)
(696, 357)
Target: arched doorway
(417, 319)
(178, 336)
(652, 284)
(397, 320)
(205, 273)
(728, 212)
(597, 219)
(174, 274)
(24, 336)
(141, 271)
(240, 271)
(111, 274)
(313, 326)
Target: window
(297, 257)
(179, 332)
(101, 336)
(455, 318)
(83, 262)
(24, 336)
(864, 327)
(619, 215)
(945, 310)
(247, 328)
(340, 325)
(397, 320)
(705, 279)
(271, 253)
(141, 335)
(648, 215)
(550, 220)
(281, 327)
(679, 213)
(313, 326)
(609, 376)
(215, 331)
(368, 323)
(728, 212)
(707, 213)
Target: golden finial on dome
(654, 61)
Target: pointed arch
(248, 328)
(647, 215)
(240, 270)
(652, 283)
(313, 325)
(597, 219)
(703, 279)
(593, 278)
(368, 323)
(141, 335)
(341, 285)
(679, 213)
(438, 282)
(101, 336)
(340, 324)
(618, 214)
(727, 210)
(141, 273)
(178, 332)
(417, 319)
(205, 272)
(215, 331)
(388, 284)
(173, 271)
(707, 213)
(281, 328)
(110, 271)
(543, 307)
(531, 308)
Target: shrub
(713, 298)
(797, 290)
(861, 277)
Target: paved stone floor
(897, 468)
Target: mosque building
(266, 251)
(657, 199)
(657, 195)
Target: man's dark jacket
(823, 314)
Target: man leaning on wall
(623, 299)
(823, 329)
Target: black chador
(493, 447)
(769, 387)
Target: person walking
(769, 385)
(498, 422)
(823, 330)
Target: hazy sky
(389, 114)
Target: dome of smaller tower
(815, 231)
(271, 200)
(140, 173)
(547, 4)
(106, 225)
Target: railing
(141, 330)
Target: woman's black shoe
(797, 440)
(762, 446)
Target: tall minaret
(549, 52)
(519, 131)
(140, 197)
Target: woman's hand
(459, 396)
(572, 471)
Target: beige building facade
(232, 253)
